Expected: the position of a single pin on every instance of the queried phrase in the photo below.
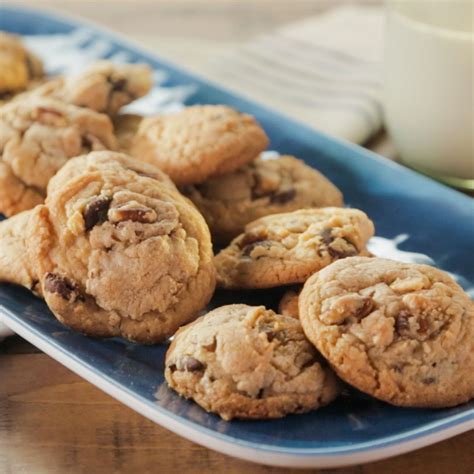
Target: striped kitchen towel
(324, 71)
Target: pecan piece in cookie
(96, 211)
(283, 197)
(64, 287)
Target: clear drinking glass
(429, 88)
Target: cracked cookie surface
(15, 195)
(284, 249)
(247, 362)
(119, 251)
(18, 66)
(199, 142)
(38, 135)
(401, 332)
(260, 188)
(104, 86)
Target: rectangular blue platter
(356, 428)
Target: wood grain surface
(52, 421)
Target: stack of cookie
(112, 222)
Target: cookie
(284, 249)
(104, 86)
(401, 332)
(199, 142)
(15, 266)
(40, 134)
(119, 251)
(260, 188)
(241, 361)
(288, 305)
(17, 65)
(15, 195)
(126, 126)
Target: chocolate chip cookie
(38, 136)
(401, 332)
(284, 249)
(119, 251)
(18, 66)
(241, 361)
(199, 142)
(104, 86)
(260, 188)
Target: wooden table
(52, 421)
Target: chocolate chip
(270, 335)
(86, 143)
(423, 326)
(248, 249)
(260, 393)
(282, 197)
(193, 365)
(117, 84)
(134, 215)
(429, 380)
(172, 368)
(401, 322)
(308, 363)
(96, 211)
(367, 307)
(64, 287)
(326, 236)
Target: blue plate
(435, 220)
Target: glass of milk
(429, 88)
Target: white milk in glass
(429, 86)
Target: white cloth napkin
(324, 71)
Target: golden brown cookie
(260, 188)
(39, 135)
(104, 86)
(18, 66)
(401, 332)
(199, 142)
(119, 251)
(241, 361)
(284, 249)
